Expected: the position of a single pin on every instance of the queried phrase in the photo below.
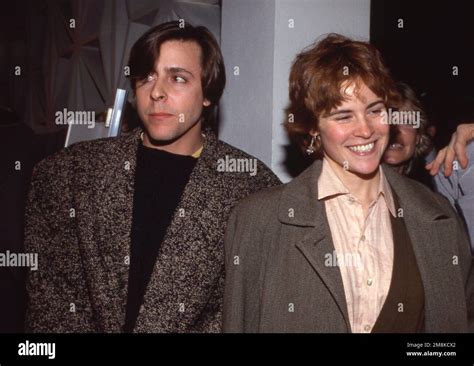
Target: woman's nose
(364, 128)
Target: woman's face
(354, 135)
(402, 145)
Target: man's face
(170, 100)
(353, 135)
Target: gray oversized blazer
(78, 220)
(276, 245)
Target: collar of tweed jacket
(185, 289)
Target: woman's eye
(375, 111)
(342, 118)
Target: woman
(410, 147)
(349, 245)
(409, 141)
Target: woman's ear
(206, 103)
(314, 132)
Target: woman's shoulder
(417, 193)
(265, 200)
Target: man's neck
(186, 144)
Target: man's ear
(206, 103)
(133, 100)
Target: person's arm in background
(456, 149)
(456, 180)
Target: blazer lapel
(315, 248)
(104, 216)
(428, 228)
(191, 258)
(300, 196)
(429, 231)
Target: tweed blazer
(78, 220)
(277, 242)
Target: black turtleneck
(160, 179)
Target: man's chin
(160, 136)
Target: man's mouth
(160, 114)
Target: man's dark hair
(146, 50)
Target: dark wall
(13, 51)
(436, 36)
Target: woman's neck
(363, 187)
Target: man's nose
(158, 92)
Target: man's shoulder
(230, 159)
(100, 147)
(98, 151)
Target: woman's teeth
(395, 146)
(362, 148)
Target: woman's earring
(310, 148)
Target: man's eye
(342, 118)
(179, 79)
(150, 77)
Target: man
(129, 231)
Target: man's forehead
(177, 54)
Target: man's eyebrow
(176, 69)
